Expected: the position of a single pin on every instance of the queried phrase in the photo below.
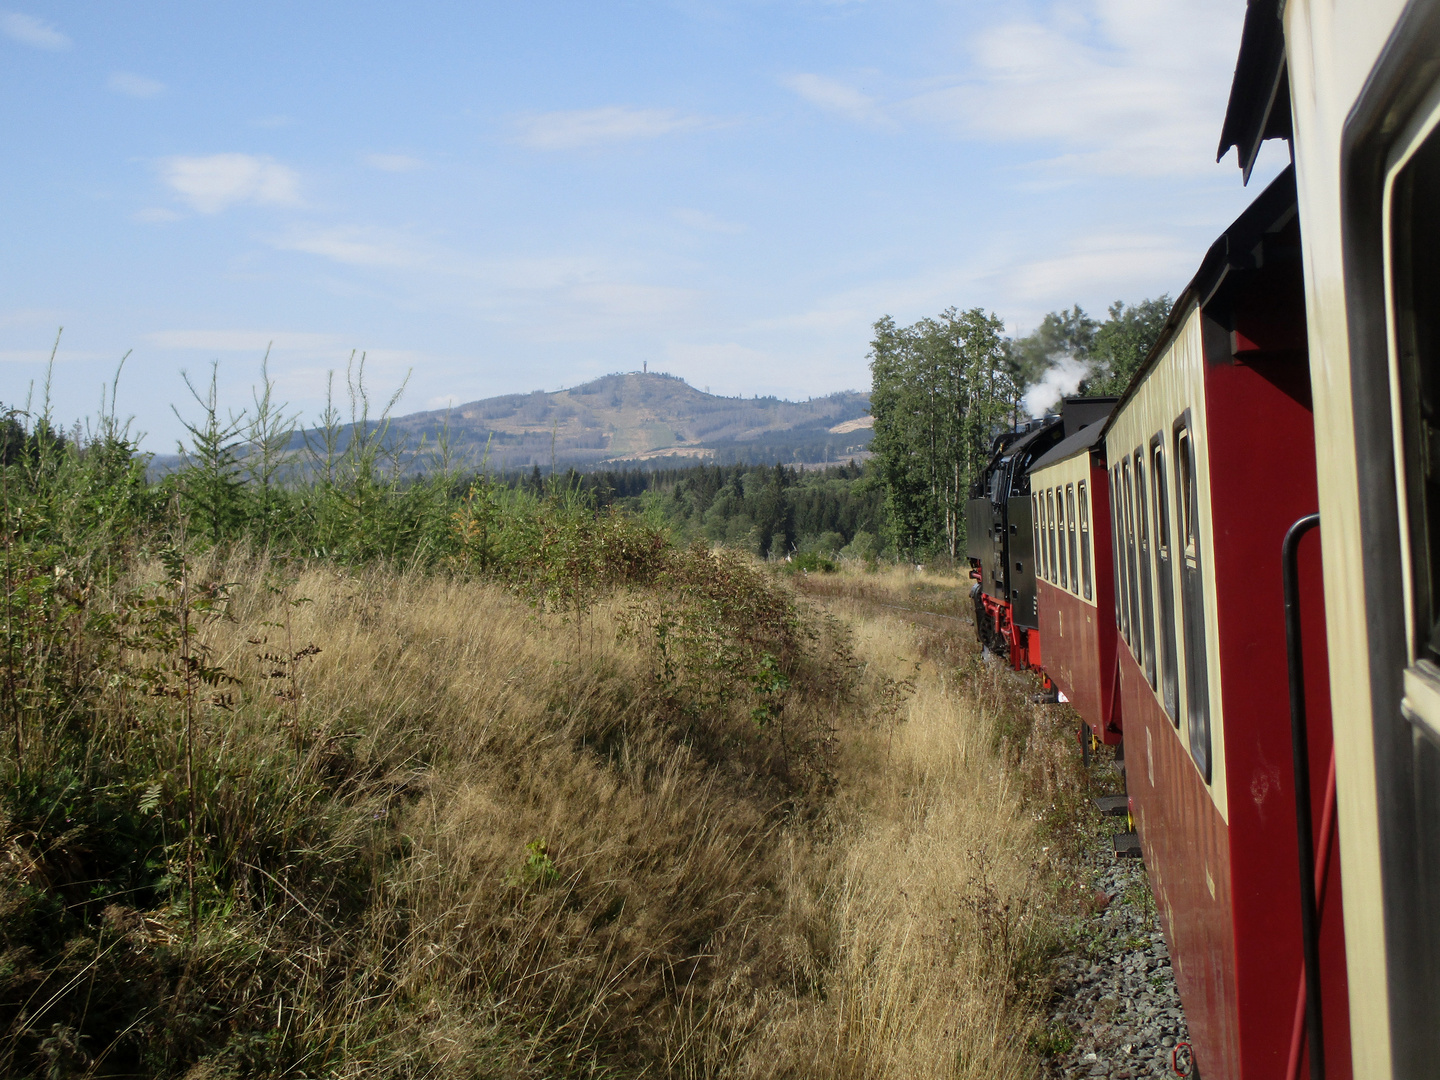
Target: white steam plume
(1061, 378)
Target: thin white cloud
(718, 356)
(272, 121)
(1116, 86)
(1125, 263)
(580, 128)
(836, 97)
(31, 31)
(244, 340)
(156, 215)
(396, 163)
(547, 297)
(629, 301)
(376, 248)
(42, 356)
(211, 184)
(31, 317)
(132, 85)
(705, 222)
(358, 246)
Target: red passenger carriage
(1202, 467)
(1071, 499)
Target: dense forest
(768, 510)
(773, 511)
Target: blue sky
(504, 197)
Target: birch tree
(940, 390)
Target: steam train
(1232, 571)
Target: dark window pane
(1073, 538)
(1060, 537)
(1037, 521)
(1192, 597)
(1132, 586)
(1147, 592)
(1169, 672)
(1054, 550)
(1415, 233)
(1122, 596)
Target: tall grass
(338, 774)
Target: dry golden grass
(537, 866)
(932, 890)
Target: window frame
(1198, 726)
(1143, 557)
(1073, 536)
(1136, 639)
(1117, 574)
(1060, 536)
(1037, 522)
(1050, 539)
(1167, 662)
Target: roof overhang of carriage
(1259, 106)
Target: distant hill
(653, 418)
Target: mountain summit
(634, 417)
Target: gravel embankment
(1116, 990)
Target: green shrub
(811, 562)
(863, 547)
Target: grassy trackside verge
(985, 793)
(469, 838)
(483, 783)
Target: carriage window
(1045, 540)
(1070, 515)
(1122, 603)
(1050, 533)
(1192, 597)
(1147, 592)
(1132, 584)
(1036, 520)
(1415, 242)
(1084, 538)
(1169, 673)
(1060, 537)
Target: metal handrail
(1304, 825)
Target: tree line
(944, 387)
(770, 510)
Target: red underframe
(1022, 645)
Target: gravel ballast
(1115, 992)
